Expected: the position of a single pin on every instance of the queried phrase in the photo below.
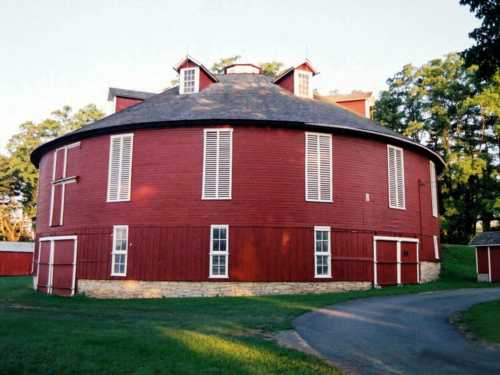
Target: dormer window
(189, 80)
(302, 81)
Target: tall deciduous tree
(442, 105)
(271, 68)
(485, 53)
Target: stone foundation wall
(483, 277)
(429, 271)
(160, 289)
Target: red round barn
(233, 184)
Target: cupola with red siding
(121, 99)
(297, 79)
(193, 76)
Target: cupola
(242, 68)
(297, 79)
(193, 76)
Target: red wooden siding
(495, 263)
(62, 280)
(121, 103)
(482, 260)
(409, 264)
(15, 263)
(356, 106)
(270, 222)
(287, 82)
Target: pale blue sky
(69, 52)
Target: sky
(55, 53)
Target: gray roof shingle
(124, 93)
(21, 247)
(486, 239)
(235, 98)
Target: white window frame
(433, 184)
(119, 252)
(318, 167)
(215, 253)
(203, 193)
(436, 246)
(329, 254)
(403, 207)
(296, 73)
(196, 80)
(108, 198)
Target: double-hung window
(120, 250)
(318, 167)
(189, 80)
(433, 184)
(217, 163)
(120, 167)
(396, 177)
(302, 83)
(322, 252)
(219, 251)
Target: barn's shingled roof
(124, 93)
(235, 98)
(486, 239)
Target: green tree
(219, 65)
(442, 105)
(271, 68)
(485, 53)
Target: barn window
(189, 80)
(217, 164)
(433, 184)
(302, 84)
(436, 247)
(318, 167)
(396, 177)
(219, 251)
(120, 167)
(120, 249)
(322, 252)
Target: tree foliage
(271, 68)
(219, 65)
(486, 51)
(443, 105)
(18, 176)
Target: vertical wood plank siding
(271, 225)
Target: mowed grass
(233, 335)
(484, 320)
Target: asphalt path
(408, 334)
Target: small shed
(487, 246)
(16, 258)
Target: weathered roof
(345, 97)
(124, 93)
(236, 98)
(486, 239)
(21, 247)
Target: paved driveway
(400, 335)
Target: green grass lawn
(53, 335)
(484, 320)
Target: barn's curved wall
(271, 224)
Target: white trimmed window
(219, 251)
(302, 83)
(318, 167)
(217, 163)
(120, 249)
(120, 167)
(322, 252)
(189, 80)
(396, 177)
(434, 195)
(436, 247)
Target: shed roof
(124, 93)
(486, 239)
(235, 98)
(21, 247)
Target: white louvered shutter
(318, 167)
(120, 168)
(217, 164)
(433, 184)
(395, 164)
